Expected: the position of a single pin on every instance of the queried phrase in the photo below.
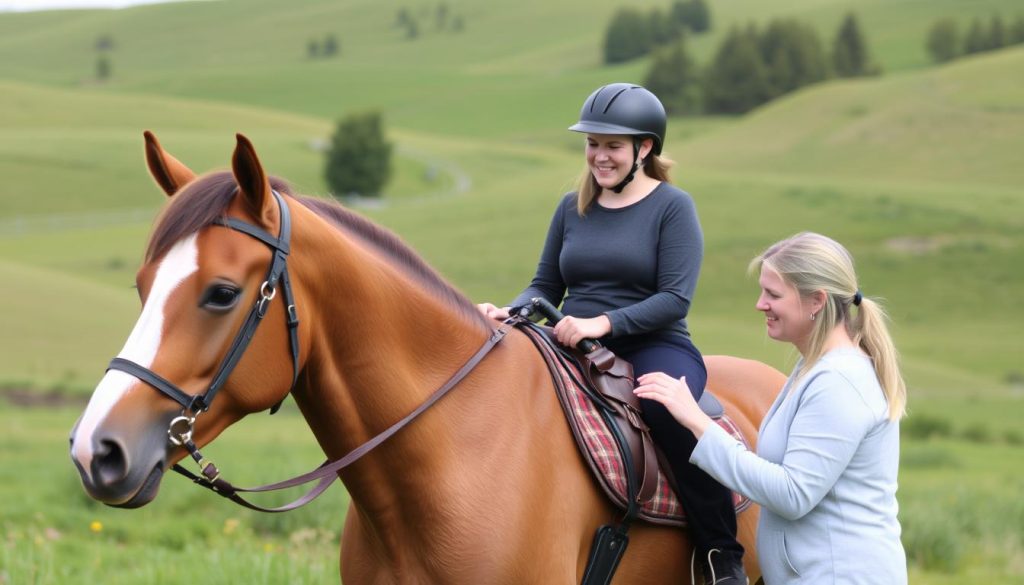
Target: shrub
(359, 158)
(925, 427)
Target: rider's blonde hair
(812, 262)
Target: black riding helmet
(624, 108)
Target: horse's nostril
(109, 462)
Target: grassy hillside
(876, 180)
(508, 73)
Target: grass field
(918, 171)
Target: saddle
(595, 391)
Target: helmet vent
(615, 97)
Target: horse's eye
(221, 297)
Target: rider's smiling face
(610, 157)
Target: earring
(812, 316)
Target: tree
(692, 14)
(102, 68)
(943, 40)
(104, 43)
(1015, 34)
(359, 158)
(330, 47)
(997, 35)
(793, 56)
(628, 36)
(661, 29)
(412, 30)
(737, 80)
(849, 51)
(674, 78)
(977, 40)
(313, 49)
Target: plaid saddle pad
(599, 448)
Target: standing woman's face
(787, 318)
(610, 157)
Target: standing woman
(627, 248)
(828, 449)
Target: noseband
(277, 274)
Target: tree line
(633, 33)
(754, 65)
(945, 41)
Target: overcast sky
(23, 5)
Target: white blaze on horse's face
(142, 345)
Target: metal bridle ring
(181, 437)
(268, 296)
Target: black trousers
(707, 503)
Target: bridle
(181, 427)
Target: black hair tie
(857, 298)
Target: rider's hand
(572, 330)
(492, 312)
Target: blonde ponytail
(870, 331)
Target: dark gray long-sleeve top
(638, 264)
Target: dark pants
(707, 503)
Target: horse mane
(205, 200)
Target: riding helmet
(623, 108)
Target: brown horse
(485, 487)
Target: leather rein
(181, 427)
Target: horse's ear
(254, 186)
(168, 171)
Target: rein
(181, 427)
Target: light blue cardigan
(825, 476)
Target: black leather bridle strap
(277, 271)
(327, 472)
(153, 379)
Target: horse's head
(214, 262)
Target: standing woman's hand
(572, 330)
(676, 396)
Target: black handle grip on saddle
(551, 313)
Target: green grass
(51, 532)
(958, 506)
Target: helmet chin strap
(636, 166)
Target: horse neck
(380, 344)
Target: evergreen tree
(849, 51)
(943, 40)
(628, 36)
(412, 30)
(674, 78)
(737, 80)
(330, 47)
(997, 35)
(700, 16)
(977, 39)
(442, 15)
(662, 30)
(692, 14)
(793, 56)
(359, 158)
(1015, 35)
(103, 68)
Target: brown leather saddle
(595, 390)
